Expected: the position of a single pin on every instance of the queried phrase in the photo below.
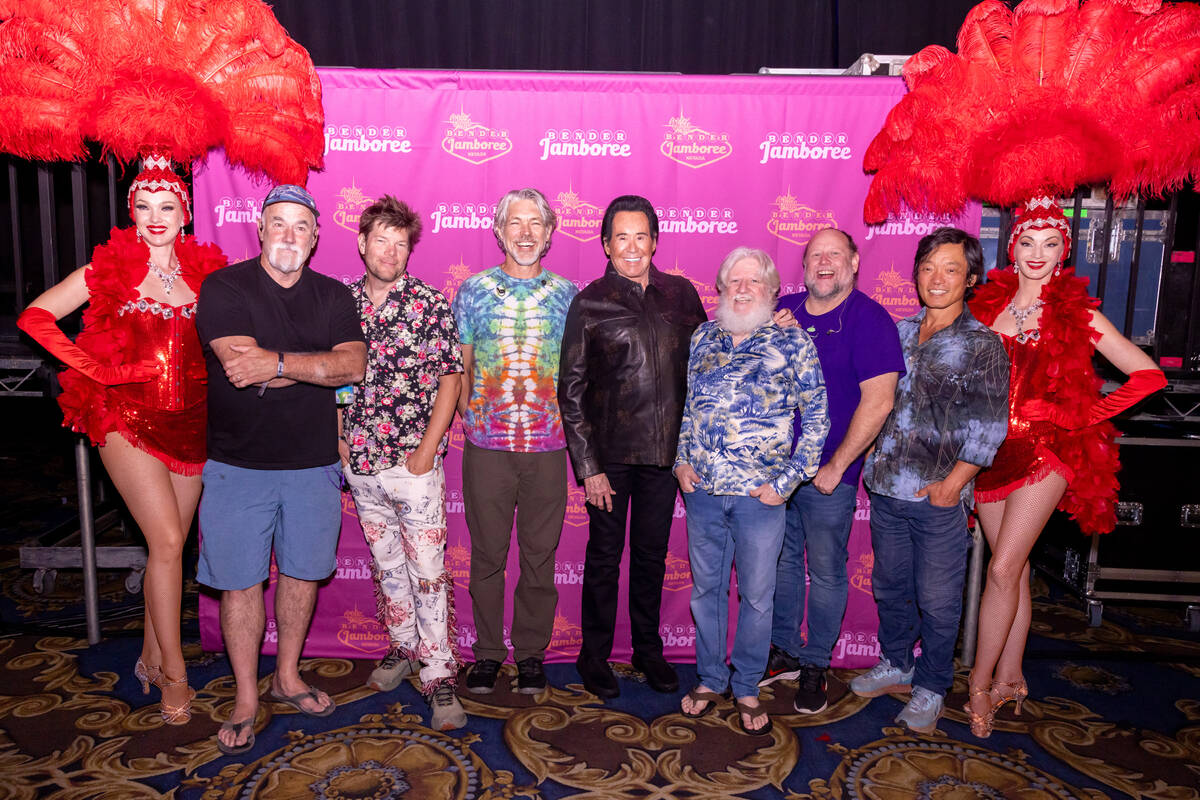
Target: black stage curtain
(689, 36)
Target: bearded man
(747, 377)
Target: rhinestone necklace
(168, 278)
(1022, 314)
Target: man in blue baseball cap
(278, 338)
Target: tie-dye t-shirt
(515, 326)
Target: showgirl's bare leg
(162, 504)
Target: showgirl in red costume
(1060, 451)
(1038, 100)
(135, 386)
(140, 77)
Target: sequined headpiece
(157, 176)
(1038, 213)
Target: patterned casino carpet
(1114, 713)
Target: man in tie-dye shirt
(510, 321)
(746, 379)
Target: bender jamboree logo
(474, 142)
(462, 215)
(351, 202)
(577, 218)
(362, 633)
(237, 210)
(678, 574)
(692, 146)
(566, 636)
(458, 564)
(805, 146)
(584, 143)
(895, 292)
(795, 222)
(913, 225)
(577, 515)
(387, 139)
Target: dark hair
(628, 202)
(849, 240)
(971, 249)
(391, 213)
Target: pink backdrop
(728, 161)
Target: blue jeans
(820, 524)
(725, 530)
(920, 566)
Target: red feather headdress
(1041, 99)
(158, 76)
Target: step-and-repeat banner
(763, 161)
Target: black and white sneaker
(812, 693)
(531, 677)
(780, 667)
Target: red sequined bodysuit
(1029, 452)
(165, 416)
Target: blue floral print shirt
(951, 406)
(412, 342)
(741, 401)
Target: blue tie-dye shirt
(737, 424)
(951, 406)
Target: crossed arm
(247, 364)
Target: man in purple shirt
(861, 359)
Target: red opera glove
(43, 327)
(1141, 384)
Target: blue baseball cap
(291, 193)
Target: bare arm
(878, 394)
(468, 378)
(65, 296)
(420, 460)
(1124, 354)
(247, 364)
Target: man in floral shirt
(393, 440)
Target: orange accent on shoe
(981, 724)
(176, 715)
(147, 674)
(1020, 692)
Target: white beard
(286, 258)
(741, 323)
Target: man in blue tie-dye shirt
(735, 465)
(949, 418)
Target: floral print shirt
(951, 406)
(741, 401)
(412, 342)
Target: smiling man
(277, 338)
(861, 360)
(510, 321)
(950, 417)
(394, 435)
(621, 386)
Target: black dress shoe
(597, 677)
(659, 674)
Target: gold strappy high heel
(147, 674)
(1020, 692)
(981, 724)
(176, 715)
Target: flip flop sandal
(237, 728)
(311, 694)
(752, 711)
(697, 696)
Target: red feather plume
(1040, 100)
(175, 76)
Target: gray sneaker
(448, 713)
(391, 670)
(882, 678)
(922, 712)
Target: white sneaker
(448, 713)
(882, 678)
(391, 670)
(922, 712)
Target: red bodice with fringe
(166, 416)
(1058, 383)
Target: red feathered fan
(1041, 99)
(174, 76)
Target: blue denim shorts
(244, 513)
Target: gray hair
(767, 272)
(549, 218)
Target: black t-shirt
(290, 428)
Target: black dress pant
(646, 495)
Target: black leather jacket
(622, 377)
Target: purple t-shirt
(855, 342)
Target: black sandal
(237, 728)
(752, 711)
(698, 695)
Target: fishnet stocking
(1011, 527)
